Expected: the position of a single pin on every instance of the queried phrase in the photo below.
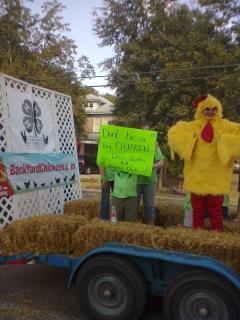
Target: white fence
(47, 200)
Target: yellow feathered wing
(182, 139)
(228, 144)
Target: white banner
(31, 122)
(27, 172)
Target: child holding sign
(124, 196)
(130, 152)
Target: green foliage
(163, 54)
(35, 48)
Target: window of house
(90, 104)
(96, 124)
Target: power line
(229, 76)
(236, 75)
(168, 70)
(143, 72)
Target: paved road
(93, 193)
(34, 292)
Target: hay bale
(231, 227)
(228, 226)
(222, 246)
(89, 208)
(98, 232)
(169, 214)
(232, 213)
(42, 234)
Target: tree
(35, 48)
(166, 56)
(16, 24)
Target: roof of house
(104, 105)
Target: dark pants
(105, 201)
(148, 193)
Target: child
(187, 211)
(124, 196)
(187, 222)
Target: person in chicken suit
(208, 146)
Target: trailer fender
(173, 262)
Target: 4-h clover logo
(31, 121)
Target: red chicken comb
(197, 100)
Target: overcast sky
(78, 14)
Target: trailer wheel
(201, 295)
(110, 287)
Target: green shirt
(153, 178)
(109, 174)
(187, 202)
(125, 185)
(226, 201)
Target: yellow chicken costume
(208, 146)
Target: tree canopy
(167, 53)
(35, 48)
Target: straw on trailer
(42, 234)
(169, 214)
(223, 246)
(89, 208)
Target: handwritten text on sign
(127, 149)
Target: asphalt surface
(38, 292)
(178, 199)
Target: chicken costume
(208, 147)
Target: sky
(78, 13)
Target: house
(98, 111)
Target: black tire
(201, 295)
(110, 287)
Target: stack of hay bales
(167, 214)
(222, 246)
(89, 208)
(42, 234)
(74, 234)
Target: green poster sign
(127, 149)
